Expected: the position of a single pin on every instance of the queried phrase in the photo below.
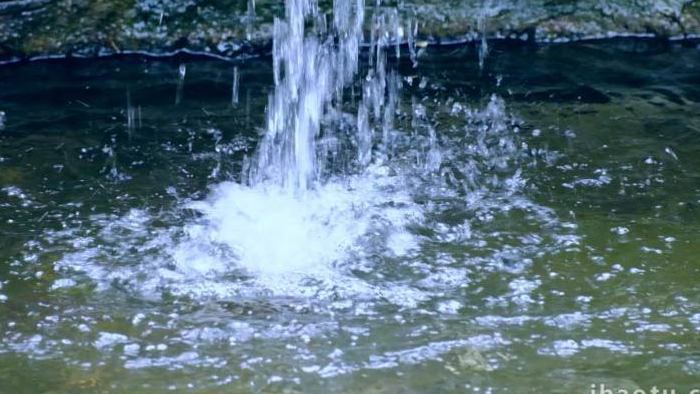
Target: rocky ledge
(31, 29)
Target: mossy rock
(36, 28)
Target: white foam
(107, 340)
(282, 238)
(273, 231)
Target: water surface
(532, 228)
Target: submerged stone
(469, 360)
(473, 360)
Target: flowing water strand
(489, 9)
(309, 71)
(235, 86)
(250, 19)
(130, 113)
(379, 87)
(412, 32)
(181, 72)
(482, 22)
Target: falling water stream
(357, 213)
(304, 188)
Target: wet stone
(80, 28)
(472, 359)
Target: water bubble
(182, 71)
(671, 153)
(449, 307)
(108, 340)
(620, 230)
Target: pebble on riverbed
(469, 360)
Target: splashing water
(326, 190)
(417, 254)
(313, 214)
(267, 268)
(332, 199)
